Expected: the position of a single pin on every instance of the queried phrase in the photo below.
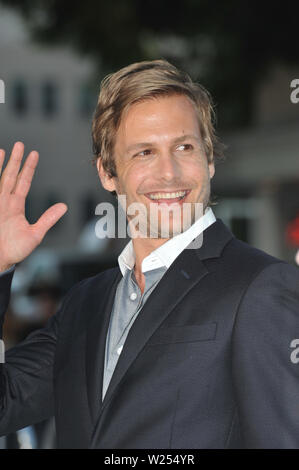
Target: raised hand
(18, 238)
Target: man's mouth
(168, 197)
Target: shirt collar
(165, 254)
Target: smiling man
(160, 160)
(179, 346)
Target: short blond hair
(138, 82)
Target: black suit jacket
(207, 363)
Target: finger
(48, 219)
(9, 176)
(25, 177)
(2, 157)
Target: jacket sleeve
(26, 375)
(265, 362)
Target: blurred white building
(49, 101)
(49, 105)
(258, 185)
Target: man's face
(160, 161)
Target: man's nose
(168, 166)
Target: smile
(168, 198)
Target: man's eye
(144, 153)
(185, 147)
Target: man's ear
(211, 169)
(106, 180)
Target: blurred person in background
(46, 296)
(179, 346)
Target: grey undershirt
(127, 304)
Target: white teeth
(167, 195)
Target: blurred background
(53, 55)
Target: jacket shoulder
(252, 256)
(98, 281)
(87, 292)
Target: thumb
(48, 219)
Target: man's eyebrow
(177, 140)
(139, 146)
(185, 137)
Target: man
(179, 346)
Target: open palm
(18, 238)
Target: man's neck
(142, 248)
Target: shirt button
(133, 296)
(119, 350)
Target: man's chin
(156, 232)
(164, 231)
(163, 227)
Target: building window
(238, 214)
(20, 97)
(87, 100)
(49, 99)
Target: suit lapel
(101, 298)
(177, 282)
(186, 271)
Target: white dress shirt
(165, 254)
